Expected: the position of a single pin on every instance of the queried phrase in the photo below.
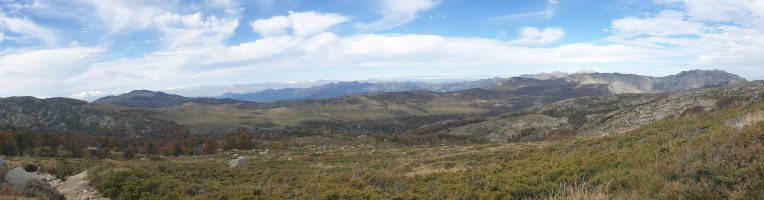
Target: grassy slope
(693, 157)
(206, 118)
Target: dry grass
(746, 120)
(579, 192)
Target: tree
(238, 141)
(8, 144)
(210, 146)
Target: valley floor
(711, 155)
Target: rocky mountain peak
(546, 75)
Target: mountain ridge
(151, 99)
(617, 83)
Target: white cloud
(746, 12)
(218, 64)
(117, 16)
(398, 12)
(667, 23)
(694, 32)
(546, 13)
(300, 23)
(36, 71)
(309, 23)
(27, 29)
(89, 95)
(274, 26)
(534, 36)
(198, 52)
(194, 29)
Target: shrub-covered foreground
(698, 156)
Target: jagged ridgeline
(496, 109)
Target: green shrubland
(702, 155)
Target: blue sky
(90, 48)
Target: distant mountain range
(378, 108)
(349, 88)
(218, 90)
(617, 83)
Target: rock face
(238, 162)
(631, 83)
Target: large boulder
(238, 162)
(78, 187)
(19, 178)
(30, 185)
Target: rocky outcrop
(601, 115)
(78, 187)
(238, 162)
(19, 178)
(28, 184)
(631, 83)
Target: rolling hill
(144, 112)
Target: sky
(90, 48)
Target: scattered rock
(265, 152)
(78, 187)
(238, 162)
(236, 155)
